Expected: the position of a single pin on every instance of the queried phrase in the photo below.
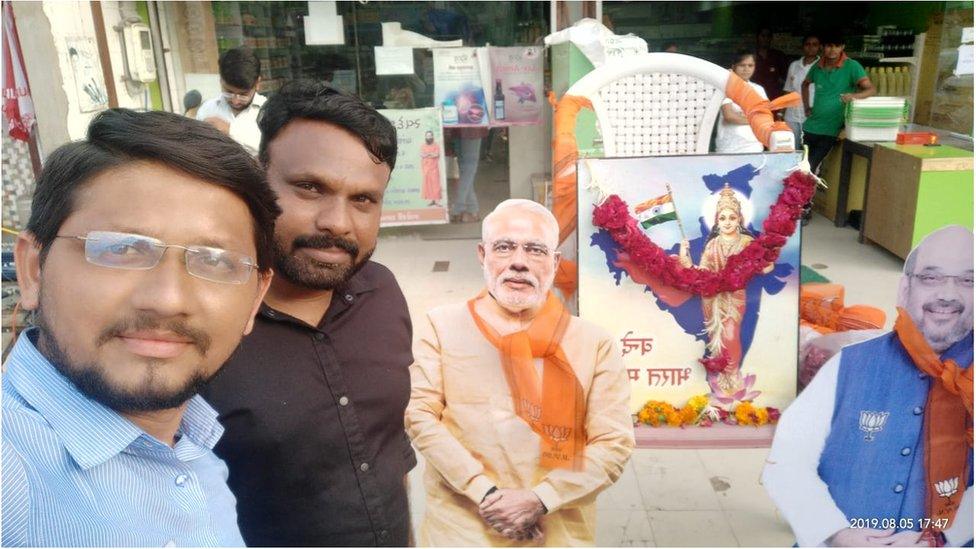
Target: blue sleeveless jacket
(873, 462)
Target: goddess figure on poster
(723, 313)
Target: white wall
(529, 152)
(48, 93)
(44, 29)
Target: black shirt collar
(342, 298)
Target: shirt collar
(91, 432)
(840, 61)
(362, 282)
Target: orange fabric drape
(564, 156)
(948, 421)
(822, 308)
(553, 406)
(759, 110)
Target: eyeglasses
(506, 248)
(934, 280)
(240, 97)
(138, 252)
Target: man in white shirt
(794, 80)
(235, 110)
(877, 450)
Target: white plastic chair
(658, 104)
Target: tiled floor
(665, 497)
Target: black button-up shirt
(314, 421)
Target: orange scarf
(836, 64)
(948, 422)
(554, 406)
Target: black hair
(740, 55)
(192, 100)
(833, 37)
(712, 234)
(240, 68)
(120, 136)
(808, 36)
(313, 100)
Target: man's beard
(515, 301)
(91, 378)
(316, 275)
(942, 336)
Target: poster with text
(702, 209)
(458, 86)
(417, 192)
(516, 94)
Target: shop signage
(417, 193)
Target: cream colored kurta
(462, 420)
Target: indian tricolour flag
(656, 210)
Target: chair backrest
(655, 104)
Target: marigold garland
(698, 410)
(614, 216)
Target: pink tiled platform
(716, 436)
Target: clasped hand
(513, 513)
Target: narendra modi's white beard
(512, 301)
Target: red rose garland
(614, 216)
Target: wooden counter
(913, 190)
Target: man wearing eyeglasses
(144, 263)
(878, 449)
(235, 110)
(521, 410)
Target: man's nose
(950, 291)
(167, 288)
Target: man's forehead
(520, 224)
(946, 251)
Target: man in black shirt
(313, 400)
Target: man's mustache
(943, 306)
(200, 339)
(325, 241)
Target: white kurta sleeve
(443, 452)
(790, 475)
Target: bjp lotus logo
(872, 423)
(557, 434)
(947, 488)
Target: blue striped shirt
(76, 473)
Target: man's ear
(264, 282)
(481, 253)
(27, 260)
(904, 289)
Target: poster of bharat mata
(417, 192)
(702, 209)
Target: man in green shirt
(837, 80)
